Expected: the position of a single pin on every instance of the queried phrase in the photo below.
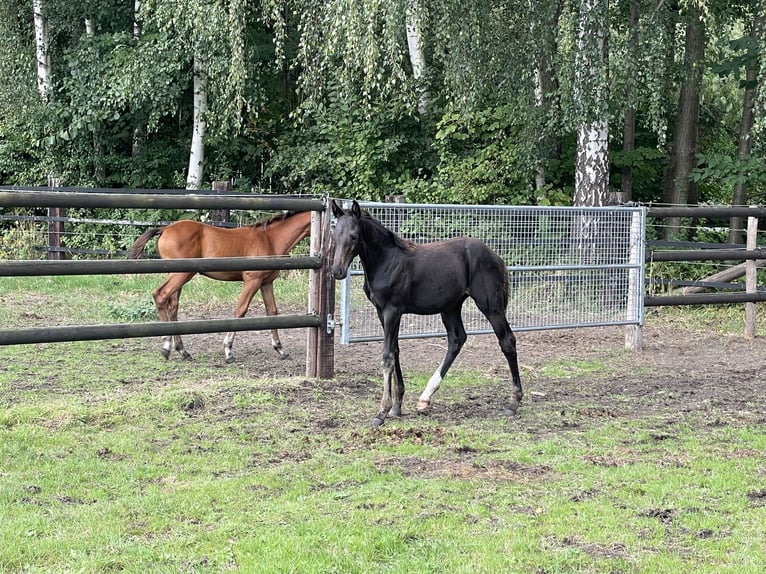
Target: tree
(42, 44)
(745, 142)
(678, 188)
(591, 86)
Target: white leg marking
(228, 341)
(433, 384)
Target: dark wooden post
(320, 354)
(220, 215)
(55, 225)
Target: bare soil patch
(581, 376)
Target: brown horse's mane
(273, 219)
(383, 232)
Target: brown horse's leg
(166, 298)
(250, 286)
(456, 338)
(267, 293)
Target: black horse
(425, 279)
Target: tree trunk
(417, 57)
(678, 189)
(544, 23)
(629, 120)
(197, 152)
(138, 131)
(739, 196)
(42, 45)
(591, 95)
(136, 19)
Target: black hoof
(376, 422)
(186, 356)
(395, 412)
(166, 354)
(230, 360)
(510, 411)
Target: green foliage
(349, 150)
(18, 240)
(482, 158)
(722, 171)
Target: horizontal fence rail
(199, 265)
(127, 330)
(706, 255)
(189, 200)
(704, 299)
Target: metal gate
(568, 266)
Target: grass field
(114, 460)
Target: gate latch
(330, 324)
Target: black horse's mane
(273, 219)
(384, 235)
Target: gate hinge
(330, 324)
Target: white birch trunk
(591, 95)
(197, 152)
(417, 58)
(42, 43)
(90, 29)
(592, 169)
(136, 19)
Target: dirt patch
(578, 376)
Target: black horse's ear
(337, 210)
(356, 211)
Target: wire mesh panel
(568, 266)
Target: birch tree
(42, 45)
(591, 100)
(417, 56)
(197, 151)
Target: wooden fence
(320, 343)
(750, 256)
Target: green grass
(118, 460)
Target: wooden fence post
(320, 348)
(55, 225)
(751, 277)
(220, 215)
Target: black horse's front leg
(387, 400)
(391, 370)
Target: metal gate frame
(631, 265)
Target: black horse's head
(347, 236)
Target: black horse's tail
(506, 285)
(137, 250)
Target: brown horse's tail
(137, 250)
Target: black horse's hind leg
(456, 337)
(507, 341)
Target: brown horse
(183, 239)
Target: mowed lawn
(115, 460)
